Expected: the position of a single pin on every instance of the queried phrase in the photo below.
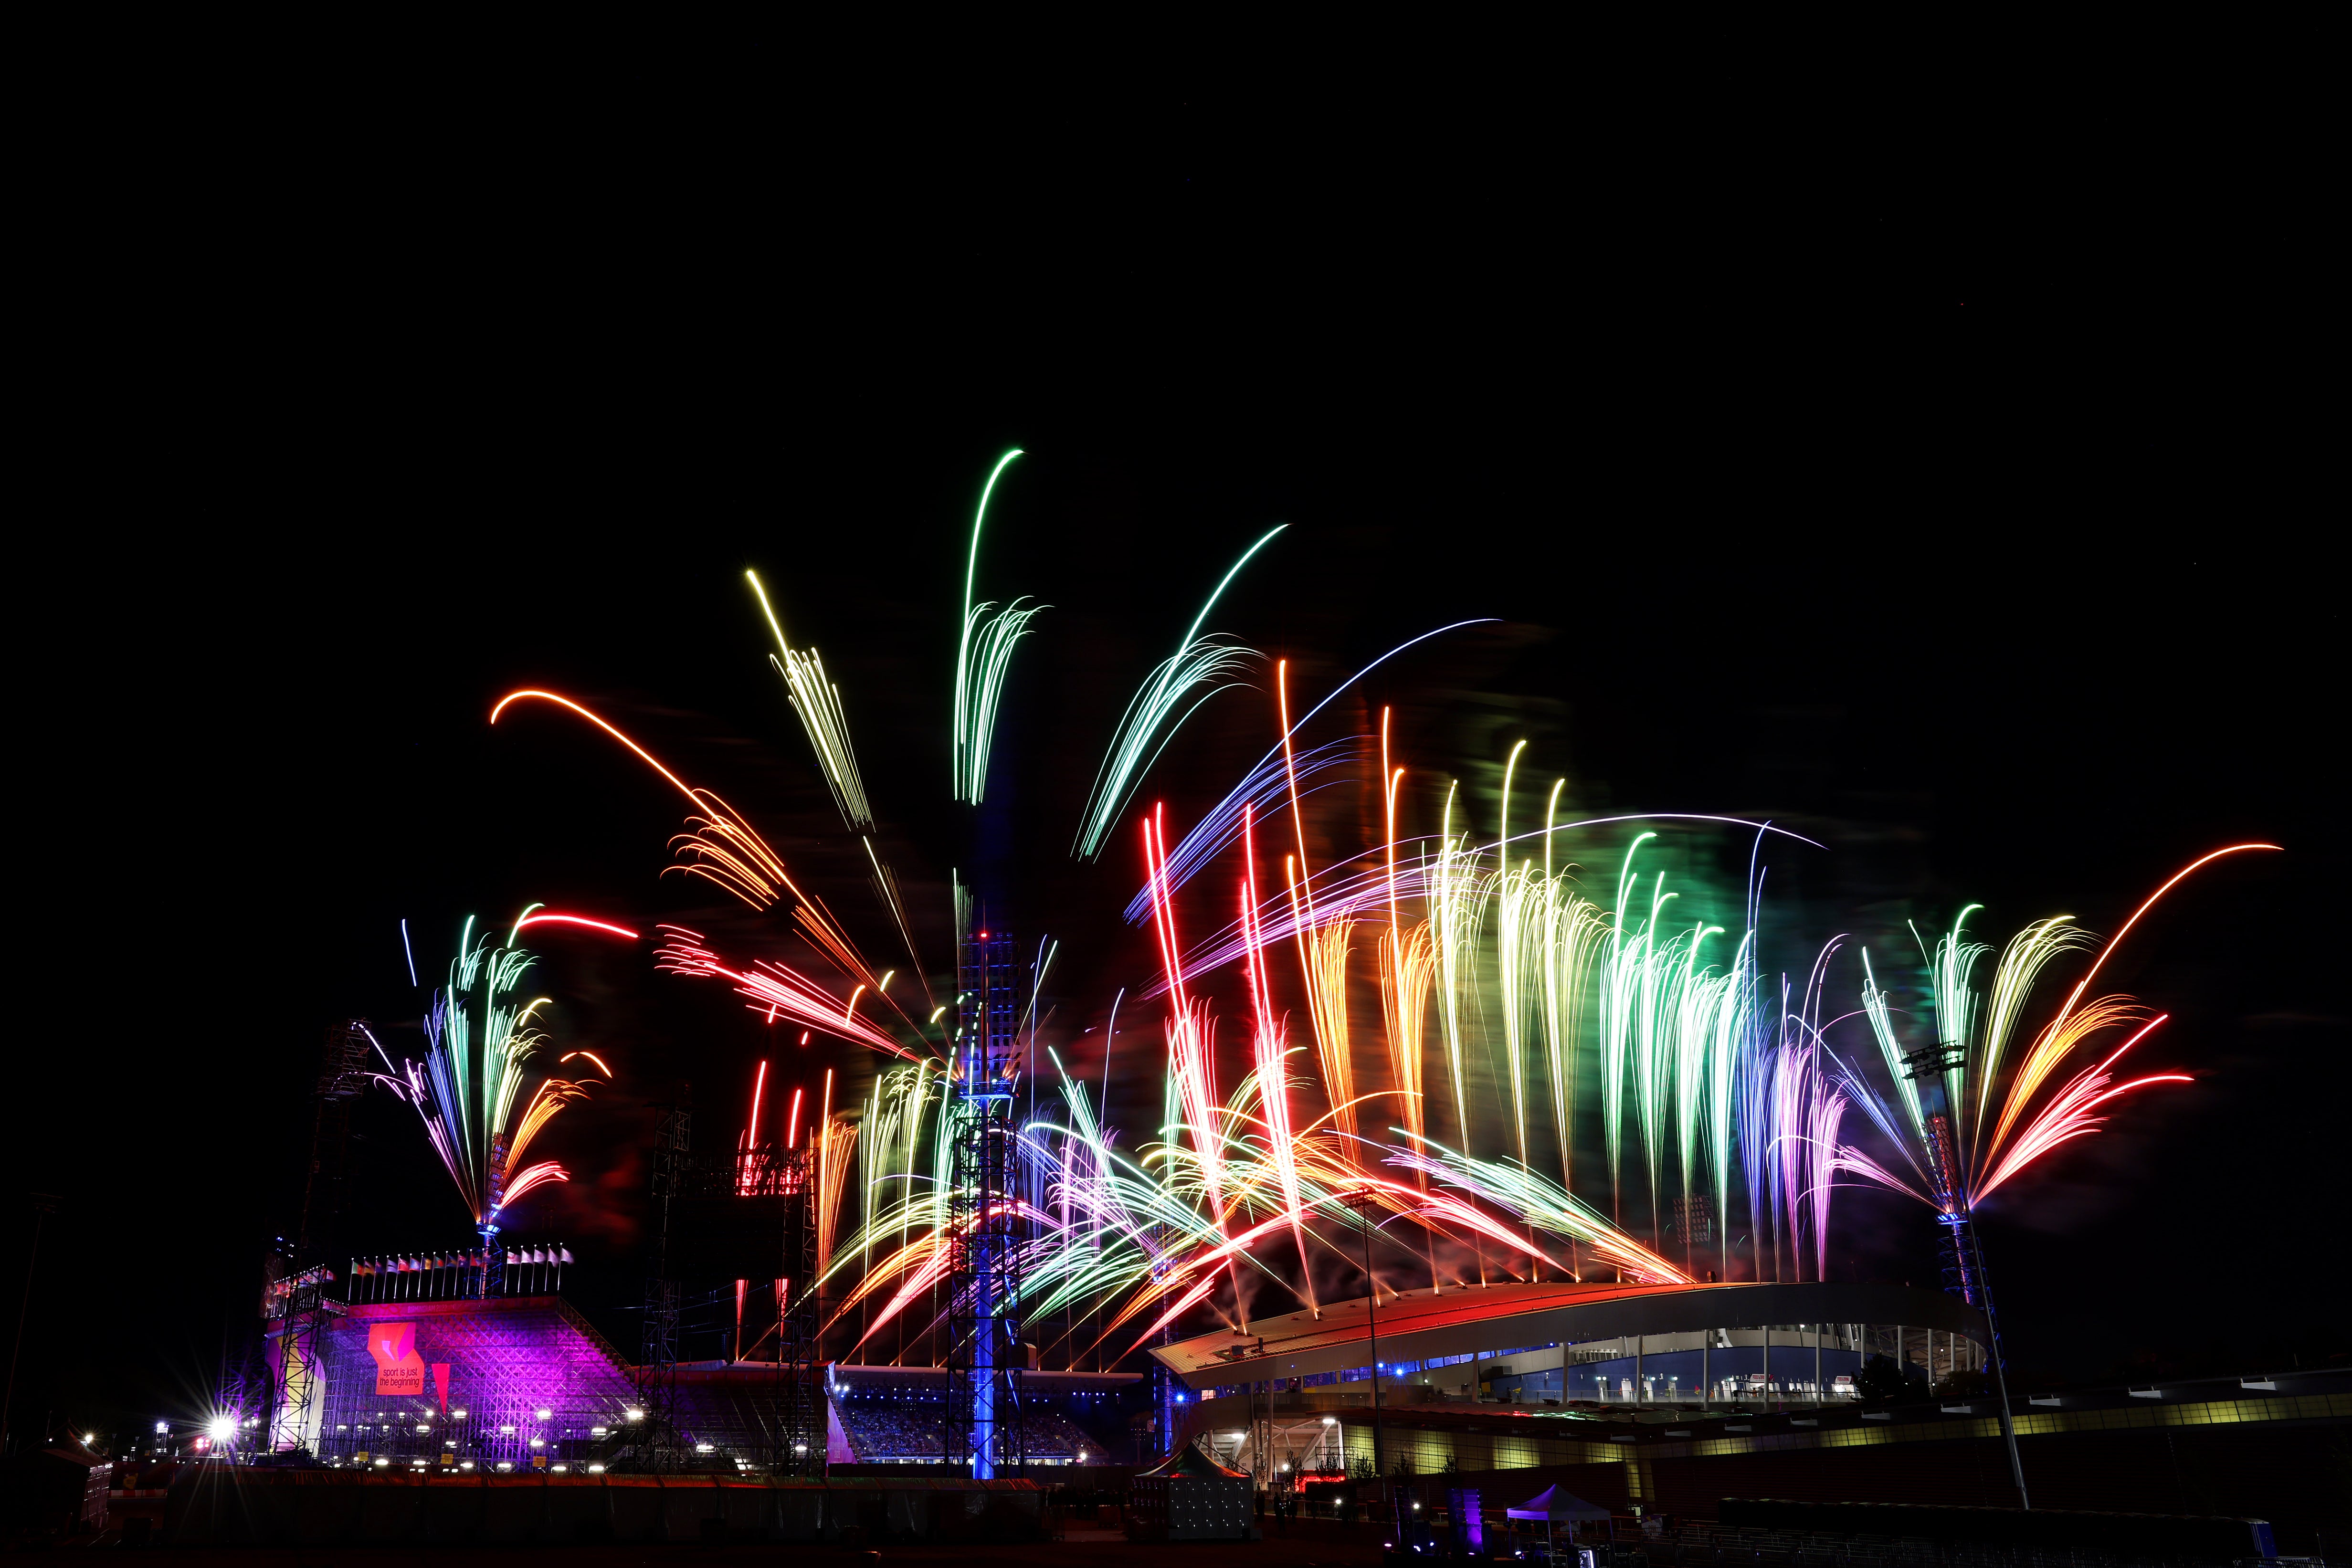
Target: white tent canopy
(1555, 1504)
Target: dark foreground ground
(1311, 1544)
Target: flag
(564, 1255)
(514, 1260)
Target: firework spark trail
(774, 989)
(728, 851)
(1323, 944)
(1625, 962)
(1191, 1030)
(1407, 966)
(1151, 719)
(1262, 792)
(835, 1146)
(1361, 892)
(1807, 1111)
(1825, 1112)
(1699, 1007)
(2021, 963)
(1514, 891)
(1734, 1025)
(1519, 1191)
(1882, 1027)
(1215, 831)
(479, 1037)
(2024, 1130)
(979, 682)
(2067, 1117)
(1408, 961)
(1273, 1072)
(817, 702)
(1564, 941)
(1454, 906)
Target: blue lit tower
(985, 1357)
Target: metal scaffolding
(513, 1384)
(721, 1221)
(297, 1304)
(986, 1356)
(656, 1371)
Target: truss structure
(722, 1219)
(528, 1385)
(981, 1425)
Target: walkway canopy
(1556, 1505)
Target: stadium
(1300, 1393)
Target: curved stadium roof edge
(1417, 1325)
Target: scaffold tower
(985, 1355)
(657, 1361)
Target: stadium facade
(1297, 1392)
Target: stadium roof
(1416, 1325)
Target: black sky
(1915, 491)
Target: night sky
(1990, 579)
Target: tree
(1881, 1378)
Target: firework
(480, 1036)
(983, 658)
(1152, 718)
(1521, 1013)
(1956, 1162)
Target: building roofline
(1417, 1325)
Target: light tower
(1962, 1252)
(985, 1358)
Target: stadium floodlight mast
(1927, 1069)
(1362, 1201)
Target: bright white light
(457, 1415)
(702, 1448)
(163, 1429)
(223, 1428)
(595, 1469)
(539, 1442)
(507, 1431)
(381, 1464)
(425, 1425)
(1326, 1421)
(91, 1441)
(634, 1415)
(465, 1464)
(596, 1431)
(541, 1414)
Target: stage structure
(726, 1221)
(985, 1354)
(297, 1304)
